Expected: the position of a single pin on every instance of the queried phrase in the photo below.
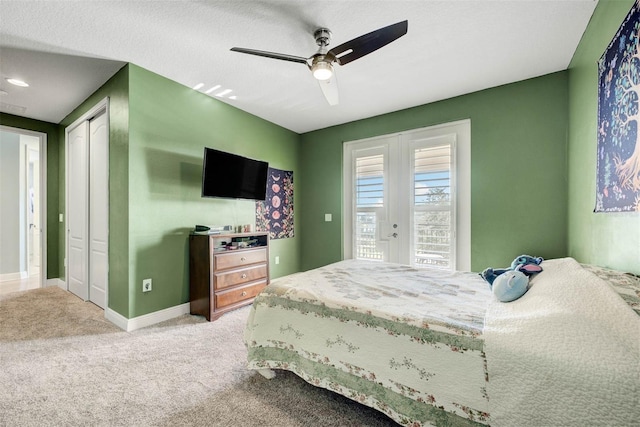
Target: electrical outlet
(146, 285)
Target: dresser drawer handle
(243, 259)
(244, 293)
(244, 276)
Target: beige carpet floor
(62, 364)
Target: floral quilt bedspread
(405, 341)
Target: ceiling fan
(321, 62)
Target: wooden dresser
(221, 280)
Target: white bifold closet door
(87, 209)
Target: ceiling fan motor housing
(322, 36)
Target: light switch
(327, 217)
(60, 217)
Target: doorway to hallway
(22, 209)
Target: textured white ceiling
(451, 48)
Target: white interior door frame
(101, 107)
(42, 208)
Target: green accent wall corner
(170, 124)
(117, 90)
(605, 239)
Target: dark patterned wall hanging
(275, 214)
(618, 159)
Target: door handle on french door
(394, 235)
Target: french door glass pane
(432, 238)
(432, 183)
(366, 247)
(432, 210)
(369, 201)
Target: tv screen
(232, 176)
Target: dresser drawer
(235, 295)
(228, 260)
(229, 278)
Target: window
(369, 202)
(433, 207)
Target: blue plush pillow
(510, 285)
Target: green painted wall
(117, 89)
(533, 174)
(158, 131)
(518, 171)
(170, 125)
(606, 239)
(53, 143)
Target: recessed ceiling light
(233, 97)
(224, 92)
(198, 86)
(212, 89)
(18, 82)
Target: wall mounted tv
(232, 176)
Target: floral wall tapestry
(275, 214)
(618, 158)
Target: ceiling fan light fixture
(17, 82)
(322, 70)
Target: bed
(428, 347)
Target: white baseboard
(56, 282)
(146, 319)
(19, 275)
(137, 322)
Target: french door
(404, 197)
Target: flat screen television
(233, 176)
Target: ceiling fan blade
(330, 90)
(365, 44)
(273, 55)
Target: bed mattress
(405, 341)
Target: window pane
(432, 183)
(366, 236)
(432, 238)
(370, 181)
(369, 199)
(432, 207)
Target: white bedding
(567, 353)
(434, 348)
